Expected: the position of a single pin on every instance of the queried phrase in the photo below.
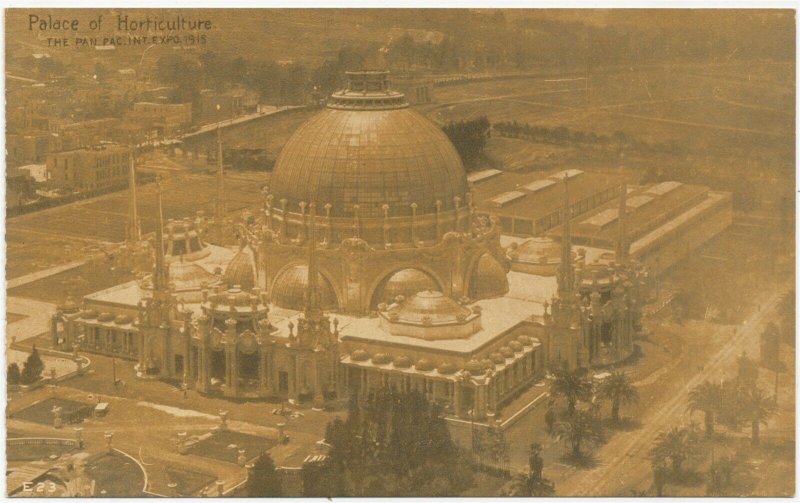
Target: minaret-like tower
(160, 274)
(134, 228)
(621, 249)
(220, 206)
(566, 273)
(157, 312)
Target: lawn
(116, 475)
(42, 412)
(225, 445)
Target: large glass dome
(367, 148)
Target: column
(234, 370)
(262, 377)
(456, 398)
(438, 224)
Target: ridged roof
(289, 288)
(241, 270)
(369, 157)
(488, 279)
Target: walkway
(36, 321)
(46, 273)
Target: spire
(312, 307)
(134, 230)
(566, 276)
(160, 273)
(621, 249)
(220, 209)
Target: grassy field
(664, 102)
(76, 231)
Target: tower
(566, 273)
(220, 203)
(134, 229)
(157, 312)
(621, 246)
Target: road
(623, 458)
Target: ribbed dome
(241, 270)
(424, 365)
(488, 279)
(369, 157)
(359, 355)
(406, 282)
(289, 289)
(188, 275)
(435, 307)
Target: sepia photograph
(399, 252)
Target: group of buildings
(376, 261)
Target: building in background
(89, 168)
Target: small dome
(538, 251)
(105, 317)
(359, 355)
(497, 358)
(487, 363)
(424, 365)
(289, 289)
(189, 276)
(488, 279)
(381, 358)
(447, 368)
(241, 270)
(506, 352)
(474, 367)
(516, 346)
(89, 314)
(406, 283)
(430, 308)
(123, 319)
(525, 340)
(402, 362)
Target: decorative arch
(381, 279)
(491, 286)
(321, 270)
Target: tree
(573, 385)
(393, 444)
(660, 472)
(721, 474)
(263, 480)
(532, 483)
(579, 428)
(618, 389)
(746, 370)
(32, 368)
(676, 445)
(13, 375)
(469, 138)
(757, 408)
(497, 446)
(706, 397)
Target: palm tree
(676, 445)
(579, 428)
(618, 388)
(573, 386)
(660, 472)
(706, 397)
(746, 371)
(532, 483)
(757, 408)
(721, 474)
